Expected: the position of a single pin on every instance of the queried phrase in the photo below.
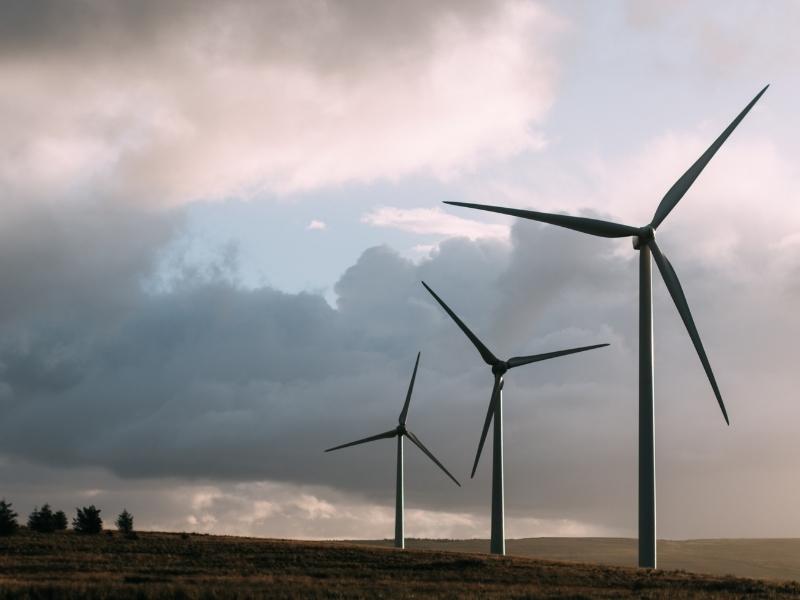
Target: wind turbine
(399, 432)
(644, 241)
(495, 411)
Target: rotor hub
(500, 368)
(645, 235)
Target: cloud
(731, 44)
(60, 262)
(316, 225)
(434, 221)
(423, 251)
(176, 102)
(207, 384)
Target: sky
(216, 217)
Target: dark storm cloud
(330, 34)
(78, 260)
(211, 380)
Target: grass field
(777, 559)
(161, 565)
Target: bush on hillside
(42, 520)
(8, 518)
(87, 520)
(60, 520)
(125, 522)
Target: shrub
(8, 518)
(87, 520)
(59, 520)
(125, 522)
(41, 520)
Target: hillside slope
(159, 565)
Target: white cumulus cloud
(434, 221)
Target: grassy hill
(162, 565)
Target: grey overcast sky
(216, 217)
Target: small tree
(41, 520)
(87, 520)
(125, 522)
(59, 520)
(8, 518)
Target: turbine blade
(518, 361)
(680, 187)
(582, 224)
(422, 447)
(486, 423)
(404, 413)
(676, 291)
(380, 436)
(486, 354)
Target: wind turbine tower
(495, 412)
(400, 432)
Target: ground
(777, 558)
(163, 565)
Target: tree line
(87, 520)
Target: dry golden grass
(161, 565)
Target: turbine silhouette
(495, 411)
(399, 432)
(644, 240)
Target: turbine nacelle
(646, 235)
(500, 368)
